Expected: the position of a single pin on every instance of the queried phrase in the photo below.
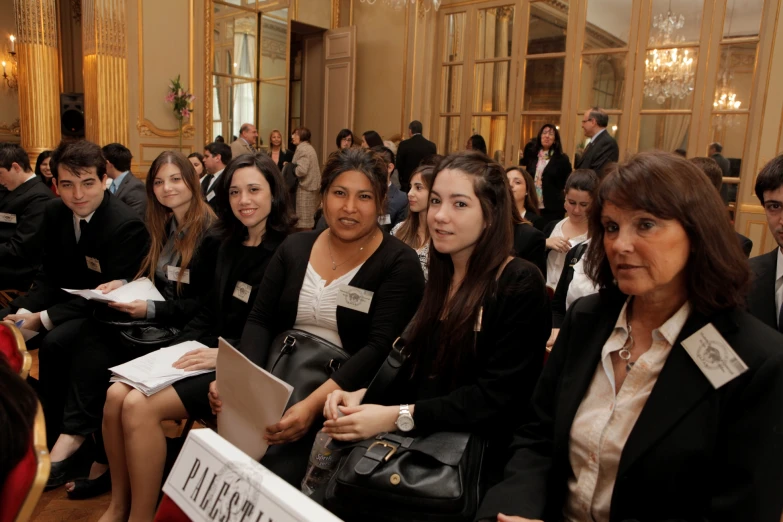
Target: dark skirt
(193, 392)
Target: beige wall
(313, 12)
(9, 101)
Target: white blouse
(555, 260)
(317, 309)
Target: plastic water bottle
(323, 462)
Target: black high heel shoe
(67, 469)
(84, 488)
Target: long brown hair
(408, 232)
(531, 198)
(459, 315)
(198, 218)
(671, 187)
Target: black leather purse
(304, 361)
(397, 478)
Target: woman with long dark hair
(371, 139)
(259, 221)
(549, 168)
(524, 193)
(197, 160)
(43, 171)
(476, 344)
(345, 139)
(413, 230)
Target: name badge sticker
(242, 291)
(8, 218)
(172, 272)
(354, 298)
(210, 195)
(384, 219)
(715, 358)
(93, 264)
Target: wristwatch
(405, 419)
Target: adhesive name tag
(714, 357)
(172, 272)
(354, 298)
(384, 219)
(93, 264)
(210, 195)
(242, 291)
(8, 218)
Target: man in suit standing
(216, 157)
(22, 205)
(244, 143)
(714, 152)
(90, 238)
(411, 152)
(396, 200)
(765, 299)
(602, 148)
(127, 187)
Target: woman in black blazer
(280, 156)
(299, 291)
(549, 168)
(669, 445)
(529, 242)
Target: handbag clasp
(391, 447)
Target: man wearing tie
(766, 293)
(127, 187)
(244, 143)
(602, 148)
(90, 238)
(216, 157)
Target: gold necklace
(329, 244)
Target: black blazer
(566, 276)
(553, 180)
(285, 155)
(530, 244)
(536, 220)
(115, 237)
(761, 298)
(410, 154)
(22, 243)
(396, 206)
(133, 192)
(602, 150)
(392, 272)
(695, 453)
(223, 315)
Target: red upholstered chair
(168, 511)
(24, 485)
(13, 347)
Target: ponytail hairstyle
(198, 218)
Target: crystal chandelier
(425, 6)
(669, 73)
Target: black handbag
(395, 477)
(304, 361)
(144, 333)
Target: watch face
(405, 422)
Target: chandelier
(669, 73)
(425, 6)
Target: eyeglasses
(547, 133)
(588, 119)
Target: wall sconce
(10, 67)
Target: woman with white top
(300, 289)
(413, 231)
(567, 233)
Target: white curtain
(244, 99)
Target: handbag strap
(388, 370)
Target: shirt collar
(217, 175)
(596, 135)
(76, 218)
(779, 273)
(121, 177)
(669, 330)
(32, 175)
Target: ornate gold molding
(751, 209)
(36, 22)
(14, 128)
(208, 51)
(143, 125)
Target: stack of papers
(139, 289)
(152, 372)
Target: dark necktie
(83, 227)
(205, 185)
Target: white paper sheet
(142, 289)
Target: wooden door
(339, 84)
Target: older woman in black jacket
(549, 168)
(662, 399)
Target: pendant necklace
(329, 244)
(625, 353)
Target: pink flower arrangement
(180, 98)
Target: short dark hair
(303, 133)
(585, 180)
(600, 117)
(385, 152)
(372, 138)
(681, 152)
(217, 148)
(415, 127)
(11, 153)
(77, 157)
(367, 162)
(119, 156)
(711, 168)
(219, 139)
(717, 146)
(669, 187)
(197, 155)
(770, 177)
(477, 143)
(345, 133)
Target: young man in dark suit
(127, 187)
(396, 200)
(90, 238)
(22, 205)
(602, 148)
(765, 299)
(411, 152)
(216, 157)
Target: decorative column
(39, 75)
(105, 71)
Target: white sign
(212, 481)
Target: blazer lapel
(22, 189)
(766, 289)
(680, 386)
(122, 186)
